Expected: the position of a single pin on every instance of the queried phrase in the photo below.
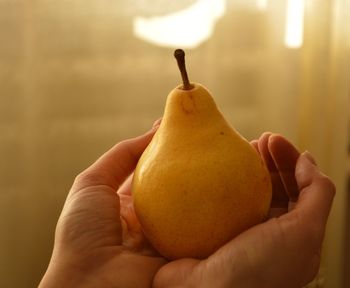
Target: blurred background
(78, 76)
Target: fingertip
(263, 140)
(147, 136)
(254, 143)
(308, 155)
(266, 134)
(277, 139)
(157, 122)
(285, 157)
(283, 151)
(316, 189)
(264, 151)
(304, 160)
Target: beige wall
(74, 81)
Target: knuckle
(331, 185)
(327, 184)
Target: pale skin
(99, 242)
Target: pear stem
(180, 57)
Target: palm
(90, 225)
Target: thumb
(175, 274)
(114, 166)
(316, 190)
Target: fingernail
(309, 157)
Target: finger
(285, 157)
(279, 199)
(132, 234)
(316, 191)
(157, 122)
(308, 155)
(125, 188)
(115, 165)
(276, 212)
(176, 273)
(254, 143)
(279, 196)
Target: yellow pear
(199, 183)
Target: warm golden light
(77, 77)
(261, 4)
(187, 28)
(293, 37)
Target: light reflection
(293, 37)
(261, 4)
(187, 28)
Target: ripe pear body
(199, 183)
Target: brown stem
(180, 57)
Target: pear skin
(199, 183)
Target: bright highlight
(293, 37)
(261, 4)
(187, 28)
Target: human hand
(281, 252)
(98, 241)
(94, 249)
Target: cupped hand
(98, 241)
(285, 250)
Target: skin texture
(99, 243)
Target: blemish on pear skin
(188, 104)
(222, 133)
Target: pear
(199, 183)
